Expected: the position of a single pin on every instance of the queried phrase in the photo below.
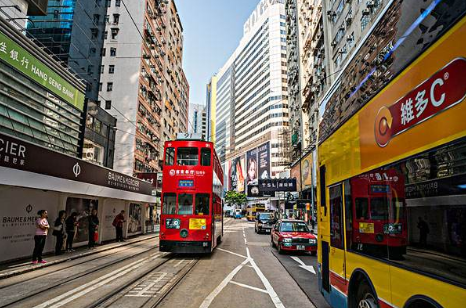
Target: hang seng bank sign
(26, 156)
(13, 54)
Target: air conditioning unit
(370, 4)
(366, 12)
(348, 20)
(349, 38)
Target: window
(202, 204)
(117, 3)
(102, 68)
(205, 157)
(362, 208)
(103, 52)
(336, 217)
(169, 203)
(187, 157)
(116, 19)
(108, 3)
(379, 208)
(56, 14)
(293, 227)
(109, 86)
(97, 126)
(115, 33)
(94, 33)
(112, 52)
(108, 105)
(170, 157)
(111, 69)
(90, 121)
(96, 18)
(100, 86)
(107, 18)
(105, 35)
(185, 204)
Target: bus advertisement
(191, 219)
(392, 164)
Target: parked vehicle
(293, 235)
(264, 222)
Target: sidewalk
(23, 266)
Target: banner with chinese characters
(277, 185)
(13, 54)
(423, 107)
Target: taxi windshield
(265, 216)
(294, 227)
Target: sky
(212, 30)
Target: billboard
(306, 171)
(252, 173)
(236, 174)
(263, 158)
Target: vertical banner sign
(263, 153)
(296, 173)
(252, 172)
(13, 54)
(306, 171)
(237, 174)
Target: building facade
(251, 102)
(198, 120)
(211, 103)
(142, 81)
(16, 12)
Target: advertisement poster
(110, 209)
(237, 174)
(134, 220)
(306, 172)
(18, 216)
(83, 207)
(295, 173)
(263, 157)
(252, 167)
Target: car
(293, 235)
(238, 214)
(264, 222)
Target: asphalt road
(244, 271)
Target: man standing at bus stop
(118, 224)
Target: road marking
(309, 268)
(233, 253)
(92, 285)
(178, 264)
(249, 287)
(144, 292)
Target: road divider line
(233, 253)
(249, 287)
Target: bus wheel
(365, 297)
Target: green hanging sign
(23, 61)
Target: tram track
(71, 278)
(139, 299)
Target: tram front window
(202, 204)
(185, 204)
(187, 157)
(169, 203)
(362, 206)
(379, 208)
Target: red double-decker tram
(191, 220)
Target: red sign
(441, 91)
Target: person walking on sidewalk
(118, 224)
(42, 226)
(93, 225)
(70, 225)
(59, 232)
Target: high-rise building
(251, 102)
(198, 120)
(211, 103)
(142, 81)
(16, 12)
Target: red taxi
(293, 235)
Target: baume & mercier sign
(25, 156)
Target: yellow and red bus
(392, 164)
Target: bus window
(379, 208)
(185, 204)
(205, 157)
(170, 157)
(202, 204)
(169, 203)
(362, 208)
(187, 157)
(336, 214)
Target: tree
(235, 198)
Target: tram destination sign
(25, 156)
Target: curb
(31, 268)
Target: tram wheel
(365, 297)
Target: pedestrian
(157, 220)
(70, 225)
(59, 232)
(93, 226)
(42, 226)
(118, 224)
(423, 231)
